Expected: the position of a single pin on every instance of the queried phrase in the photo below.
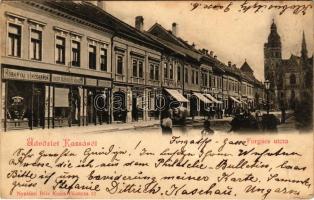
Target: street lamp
(267, 86)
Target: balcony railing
(169, 82)
(138, 80)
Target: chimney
(101, 4)
(139, 23)
(229, 64)
(193, 45)
(211, 53)
(234, 66)
(215, 57)
(174, 29)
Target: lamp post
(267, 86)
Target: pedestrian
(166, 123)
(207, 128)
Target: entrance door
(119, 106)
(38, 117)
(75, 102)
(91, 111)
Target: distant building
(289, 78)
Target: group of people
(215, 113)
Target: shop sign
(91, 81)
(15, 74)
(56, 78)
(104, 83)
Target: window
(157, 72)
(103, 59)
(186, 75)
(204, 79)
(192, 77)
(196, 74)
(213, 81)
(119, 65)
(92, 56)
(140, 69)
(293, 80)
(165, 70)
(134, 68)
(76, 53)
(179, 73)
(36, 45)
(14, 45)
(151, 72)
(171, 71)
(60, 50)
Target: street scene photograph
(156, 99)
(166, 67)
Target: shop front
(67, 100)
(35, 99)
(203, 104)
(97, 101)
(24, 94)
(138, 103)
(120, 105)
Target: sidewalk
(93, 128)
(289, 125)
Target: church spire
(273, 37)
(303, 47)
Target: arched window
(292, 79)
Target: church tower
(272, 61)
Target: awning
(175, 94)
(243, 102)
(201, 97)
(235, 100)
(212, 98)
(62, 97)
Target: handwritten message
(214, 166)
(281, 7)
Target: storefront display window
(25, 105)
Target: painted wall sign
(15, 74)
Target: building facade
(289, 78)
(71, 63)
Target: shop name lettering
(225, 168)
(25, 75)
(254, 7)
(67, 79)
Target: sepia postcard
(156, 99)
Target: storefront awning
(201, 97)
(61, 97)
(235, 100)
(212, 98)
(243, 102)
(175, 94)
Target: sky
(233, 36)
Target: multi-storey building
(53, 65)
(71, 63)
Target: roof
(246, 67)
(94, 14)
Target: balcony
(120, 77)
(169, 82)
(138, 80)
(153, 82)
